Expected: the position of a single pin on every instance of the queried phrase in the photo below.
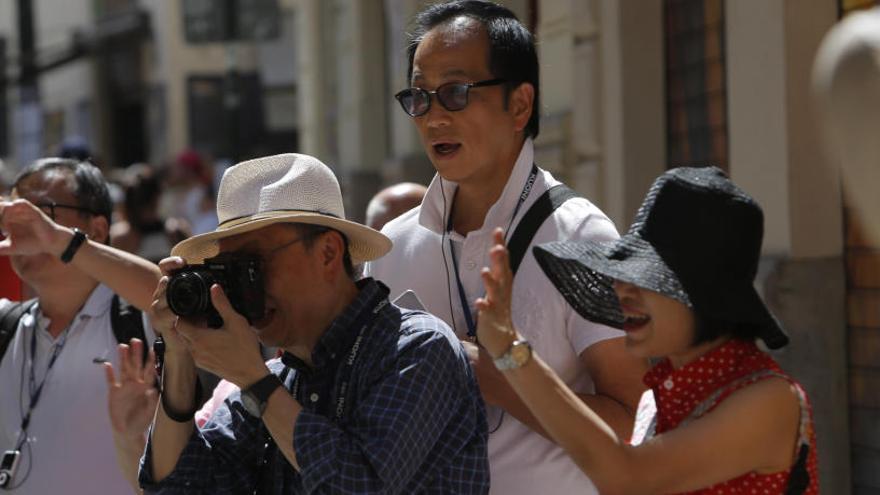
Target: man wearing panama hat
(368, 397)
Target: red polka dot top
(705, 383)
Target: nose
(437, 115)
(623, 289)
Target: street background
(629, 88)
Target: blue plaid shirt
(413, 420)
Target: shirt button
(313, 397)
(668, 384)
(471, 265)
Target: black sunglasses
(49, 208)
(453, 96)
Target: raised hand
(29, 231)
(132, 396)
(495, 329)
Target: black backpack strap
(9, 316)
(127, 323)
(527, 227)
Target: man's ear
(99, 229)
(521, 104)
(332, 252)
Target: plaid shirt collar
(340, 335)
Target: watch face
(251, 405)
(521, 353)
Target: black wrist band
(75, 242)
(187, 416)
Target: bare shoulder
(768, 411)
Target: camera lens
(188, 294)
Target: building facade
(629, 88)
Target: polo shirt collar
(97, 304)
(438, 200)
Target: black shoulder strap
(9, 316)
(527, 227)
(127, 323)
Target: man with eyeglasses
(474, 98)
(55, 431)
(367, 397)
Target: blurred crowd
(154, 207)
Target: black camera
(240, 276)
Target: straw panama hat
(287, 188)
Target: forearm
(169, 437)
(280, 419)
(575, 426)
(128, 455)
(128, 275)
(612, 412)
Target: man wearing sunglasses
(55, 429)
(474, 98)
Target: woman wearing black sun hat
(719, 415)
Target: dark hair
(708, 328)
(142, 189)
(512, 53)
(311, 232)
(91, 190)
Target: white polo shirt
(71, 447)
(521, 461)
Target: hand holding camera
(240, 276)
(187, 300)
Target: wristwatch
(255, 397)
(518, 354)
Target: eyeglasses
(453, 96)
(268, 255)
(49, 208)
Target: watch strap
(262, 389)
(79, 237)
(186, 416)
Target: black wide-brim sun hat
(696, 238)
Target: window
(696, 89)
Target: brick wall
(863, 322)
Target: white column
(311, 92)
(633, 125)
(774, 144)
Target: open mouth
(634, 322)
(445, 148)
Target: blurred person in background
(142, 230)
(393, 201)
(75, 148)
(54, 420)
(190, 192)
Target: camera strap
(363, 321)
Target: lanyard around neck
(34, 390)
(465, 307)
